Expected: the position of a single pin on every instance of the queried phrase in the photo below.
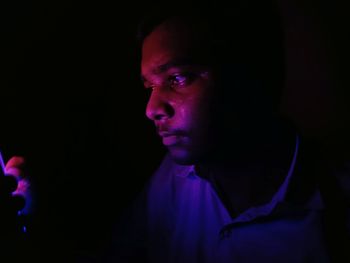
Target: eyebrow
(171, 64)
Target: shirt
(180, 218)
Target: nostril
(166, 111)
(158, 117)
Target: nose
(158, 106)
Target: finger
(16, 161)
(15, 166)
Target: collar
(279, 203)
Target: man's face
(173, 69)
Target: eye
(180, 80)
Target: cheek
(193, 108)
(196, 114)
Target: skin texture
(181, 87)
(213, 111)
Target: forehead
(174, 39)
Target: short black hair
(247, 33)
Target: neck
(253, 175)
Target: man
(238, 184)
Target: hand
(15, 201)
(15, 169)
(14, 195)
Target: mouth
(170, 138)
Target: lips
(170, 138)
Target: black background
(72, 104)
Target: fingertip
(15, 166)
(16, 161)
